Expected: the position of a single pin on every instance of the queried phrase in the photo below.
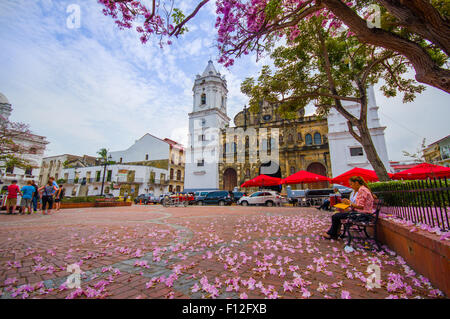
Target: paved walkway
(194, 252)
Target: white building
(52, 166)
(87, 181)
(150, 165)
(208, 116)
(35, 145)
(345, 152)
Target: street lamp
(104, 173)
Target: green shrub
(413, 193)
(81, 199)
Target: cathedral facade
(302, 145)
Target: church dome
(3, 99)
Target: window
(170, 188)
(108, 177)
(33, 150)
(308, 139)
(171, 173)
(317, 139)
(97, 176)
(178, 175)
(292, 170)
(299, 136)
(162, 177)
(10, 169)
(178, 189)
(201, 138)
(29, 171)
(203, 98)
(247, 173)
(146, 157)
(203, 122)
(290, 138)
(223, 101)
(201, 162)
(356, 151)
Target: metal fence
(420, 201)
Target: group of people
(47, 195)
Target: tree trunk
(371, 152)
(427, 71)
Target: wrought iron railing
(420, 201)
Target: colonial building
(53, 166)
(35, 146)
(119, 178)
(152, 151)
(438, 152)
(208, 116)
(302, 145)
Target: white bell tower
(208, 116)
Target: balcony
(129, 180)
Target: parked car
(221, 198)
(3, 203)
(200, 195)
(237, 196)
(145, 198)
(268, 198)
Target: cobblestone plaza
(194, 252)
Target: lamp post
(104, 173)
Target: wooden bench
(359, 222)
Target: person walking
(47, 197)
(28, 192)
(11, 199)
(59, 196)
(35, 198)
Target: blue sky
(97, 86)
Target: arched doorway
(317, 168)
(229, 179)
(271, 169)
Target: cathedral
(220, 156)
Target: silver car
(268, 198)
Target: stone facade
(438, 152)
(303, 145)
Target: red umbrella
(367, 174)
(304, 177)
(262, 180)
(423, 171)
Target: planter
(76, 205)
(111, 204)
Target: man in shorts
(11, 200)
(27, 197)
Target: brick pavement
(193, 252)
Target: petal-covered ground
(193, 252)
